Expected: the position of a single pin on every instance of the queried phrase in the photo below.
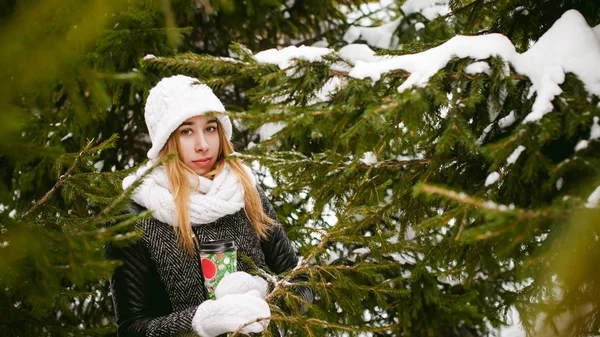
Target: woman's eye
(186, 132)
(211, 129)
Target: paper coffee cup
(218, 258)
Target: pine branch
(321, 323)
(485, 205)
(349, 161)
(402, 163)
(61, 181)
(126, 193)
(276, 117)
(239, 330)
(317, 323)
(462, 226)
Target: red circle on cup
(208, 269)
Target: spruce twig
(479, 203)
(62, 180)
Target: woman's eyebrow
(214, 120)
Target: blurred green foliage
(72, 125)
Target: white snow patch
(352, 34)
(356, 51)
(419, 26)
(329, 216)
(276, 99)
(444, 109)
(424, 65)
(478, 67)
(593, 199)
(559, 183)
(380, 36)
(492, 178)
(515, 155)
(265, 173)
(430, 9)
(490, 204)
(267, 130)
(329, 89)
(69, 135)
(546, 64)
(597, 31)
(362, 20)
(595, 131)
(321, 43)
(582, 144)
(99, 165)
(362, 251)
(514, 328)
(402, 127)
(370, 12)
(570, 45)
(369, 158)
(484, 134)
(149, 57)
(283, 57)
(594, 134)
(507, 121)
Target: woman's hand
(231, 312)
(240, 283)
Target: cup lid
(217, 246)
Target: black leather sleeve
(140, 300)
(280, 255)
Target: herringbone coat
(158, 288)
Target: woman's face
(199, 143)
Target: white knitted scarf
(211, 200)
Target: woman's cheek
(186, 145)
(213, 139)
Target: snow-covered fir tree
(432, 167)
(430, 181)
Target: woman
(203, 194)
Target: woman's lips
(202, 162)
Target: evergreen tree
(430, 193)
(71, 101)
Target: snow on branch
(424, 65)
(383, 36)
(285, 57)
(430, 9)
(569, 46)
(594, 135)
(594, 199)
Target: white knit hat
(175, 99)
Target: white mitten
(230, 312)
(240, 283)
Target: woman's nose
(201, 143)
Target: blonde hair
(178, 174)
